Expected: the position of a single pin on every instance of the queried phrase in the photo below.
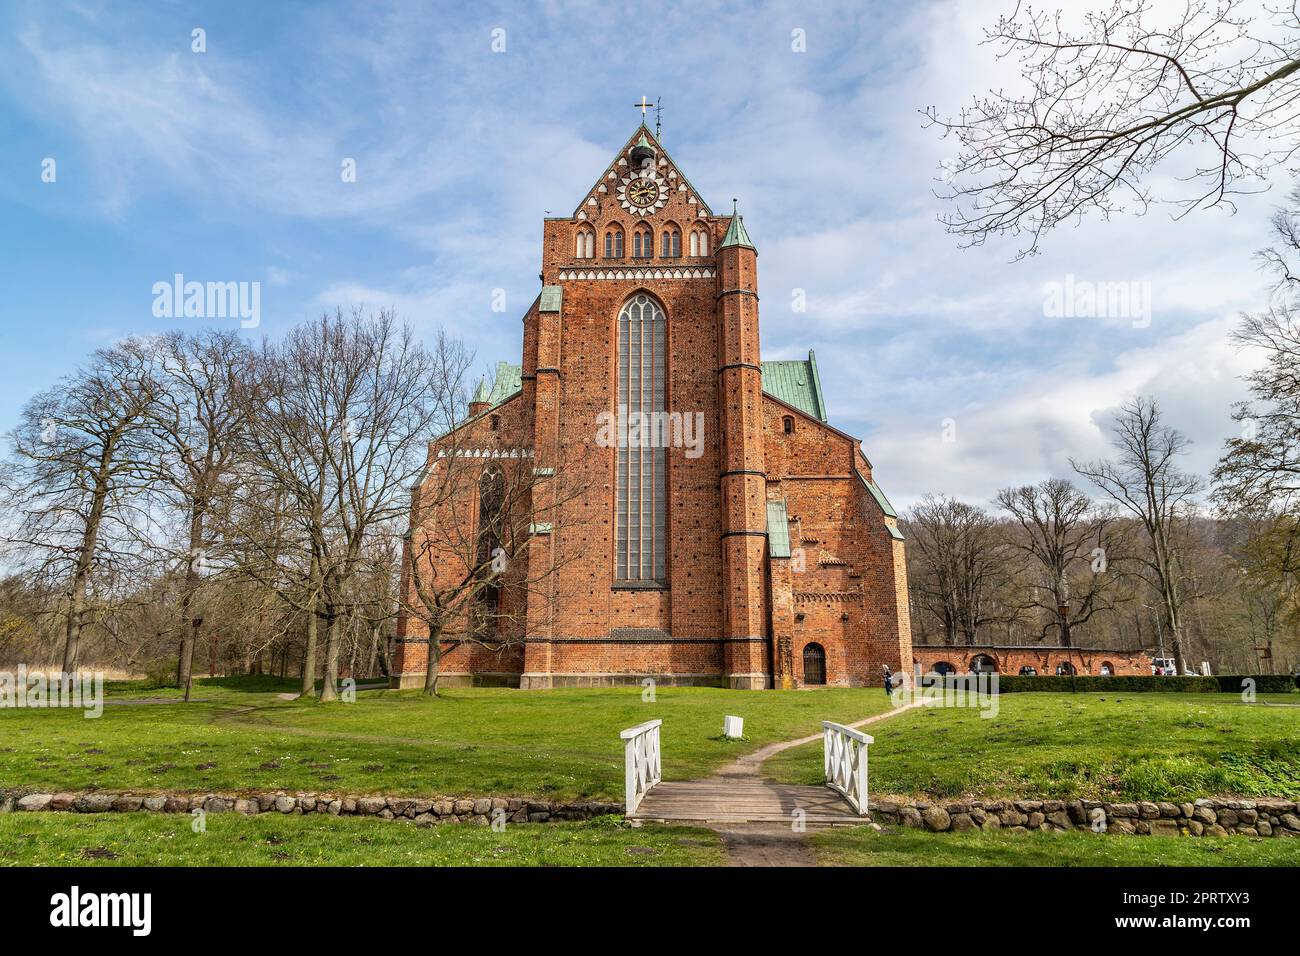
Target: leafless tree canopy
(1206, 92)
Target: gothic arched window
(699, 241)
(640, 501)
(643, 242)
(614, 242)
(672, 242)
(585, 244)
(491, 503)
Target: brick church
(747, 546)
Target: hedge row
(1009, 684)
(1264, 683)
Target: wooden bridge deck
(743, 800)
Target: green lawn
(559, 745)
(154, 839)
(1097, 746)
(898, 846)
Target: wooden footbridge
(739, 794)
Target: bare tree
(965, 558)
(83, 458)
(1106, 101)
(1073, 549)
(198, 422)
(338, 421)
(1145, 481)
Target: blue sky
(225, 166)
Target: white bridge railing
(845, 757)
(641, 763)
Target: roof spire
(480, 393)
(736, 234)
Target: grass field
(149, 839)
(560, 744)
(897, 846)
(1100, 746)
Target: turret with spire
(744, 480)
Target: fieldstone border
(426, 812)
(1264, 816)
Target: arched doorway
(1107, 669)
(943, 668)
(1065, 669)
(814, 664)
(983, 664)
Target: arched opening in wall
(491, 503)
(643, 242)
(1107, 669)
(699, 244)
(983, 664)
(814, 664)
(1065, 669)
(787, 424)
(943, 668)
(585, 243)
(672, 241)
(614, 242)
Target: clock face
(642, 192)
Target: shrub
(1264, 683)
(1012, 684)
(161, 672)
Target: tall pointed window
(491, 500)
(640, 504)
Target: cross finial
(643, 106)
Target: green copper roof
(778, 530)
(481, 392)
(879, 495)
(509, 379)
(796, 383)
(736, 234)
(552, 297)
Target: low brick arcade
(1263, 816)
(1044, 659)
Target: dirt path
(766, 844)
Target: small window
(614, 243)
(672, 243)
(788, 424)
(643, 243)
(496, 422)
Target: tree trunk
(329, 686)
(189, 623)
(309, 652)
(433, 660)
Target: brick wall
(1009, 660)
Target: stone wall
(477, 810)
(1264, 816)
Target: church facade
(745, 545)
